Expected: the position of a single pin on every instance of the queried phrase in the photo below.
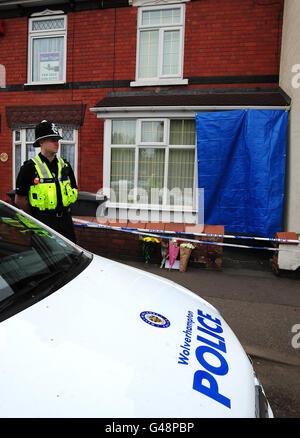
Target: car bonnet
(120, 342)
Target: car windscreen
(33, 261)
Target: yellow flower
(151, 239)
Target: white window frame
(161, 79)
(33, 34)
(154, 2)
(108, 146)
(151, 143)
(22, 142)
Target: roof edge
(165, 111)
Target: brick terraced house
(123, 80)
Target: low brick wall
(123, 245)
(210, 256)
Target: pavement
(262, 308)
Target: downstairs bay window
(150, 163)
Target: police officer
(46, 185)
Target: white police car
(84, 336)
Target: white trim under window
(23, 150)
(47, 49)
(160, 45)
(154, 2)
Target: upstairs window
(160, 45)
(47, 49)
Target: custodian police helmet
(45, 130)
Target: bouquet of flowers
(148, 247)
(185, 253)
(173, 251)
(164, 252)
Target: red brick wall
(104, 44)
(223, 38)
(13, 50)
(232, 38)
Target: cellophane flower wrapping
(173, 252)
(185, 253)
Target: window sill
(44, 85)
(154, 2)
(146, 83)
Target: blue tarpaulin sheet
(241, 167)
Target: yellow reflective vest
(43, 193)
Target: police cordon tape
(149, 232)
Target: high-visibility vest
(43, 193)
(25, 225)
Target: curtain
(122, 173)
(123, 132)
(152, 132)
(151, 175)
(161, 17)
(182, 132)
(181, 176)
(148, 54)
(48, 59)
(171, 52)
(67, 152)
(17, 158)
